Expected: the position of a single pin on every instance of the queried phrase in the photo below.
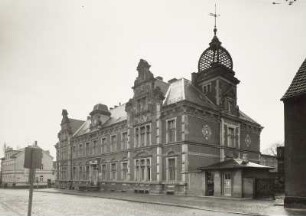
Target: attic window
(206, 88)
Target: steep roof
(75, 124)
(118, 114)
(245, 117)
(298, 84)
(162, 85)
(234, 163)
(183, 90)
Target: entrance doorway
(227, 184)
(209, 184)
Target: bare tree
(272, 149)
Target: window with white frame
(206, 88)
(143, 169)
(113, 143)
(103, 171)
(148, 134)
(143, 135)
(231, 137)
(136, 137)
(124, 140)
(171, 130)
(171, 169)
(124, 170)
(103, 145)
(113, 171)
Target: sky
(73, 54)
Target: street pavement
(66, 202)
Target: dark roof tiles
(298, 84)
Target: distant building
(295, 140)
(157, 140)
(15, 175)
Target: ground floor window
(171, 169)
(103, 171)
(124, 170)
(143, 169)
(113, 171)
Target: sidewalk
(237, 206)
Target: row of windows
(143, 137)
(111, 171)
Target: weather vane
(215, 15)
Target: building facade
(156, 141)
(295, 140)
(15, 175)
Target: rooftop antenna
(215, 15)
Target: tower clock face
(206, 131)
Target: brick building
(295, 140)
(157, 140)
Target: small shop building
(238, 178)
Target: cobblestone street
(54, 202)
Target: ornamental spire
(215, 15)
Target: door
(227, 184)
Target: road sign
(32, 158)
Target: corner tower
(215, 76)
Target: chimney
(35, 143)
(194, 78)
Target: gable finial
(215, 15)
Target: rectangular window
(142, 135)
(80, 173)
(143, 169)
(113, 171)
(141, 105)
(136, 137)
(103, 145)
(80, 150)
(124, 170)
(124, 140)
(230, 137)
(171, 169)
(41, 178)
(171, 130)
(87, 149)
(113, 143)
(148, 135)
(103, 171)
(94, 147)
(87, 173)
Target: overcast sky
(72, 54)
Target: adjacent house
(15, 175)
(295, 140)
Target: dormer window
(206, 88)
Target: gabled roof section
(245, 117)
(75, 124)
(162, 85)
(183, 90)
(235, 163)
(83, 129)
(298, 84)
(118, 114)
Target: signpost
(32, 161)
